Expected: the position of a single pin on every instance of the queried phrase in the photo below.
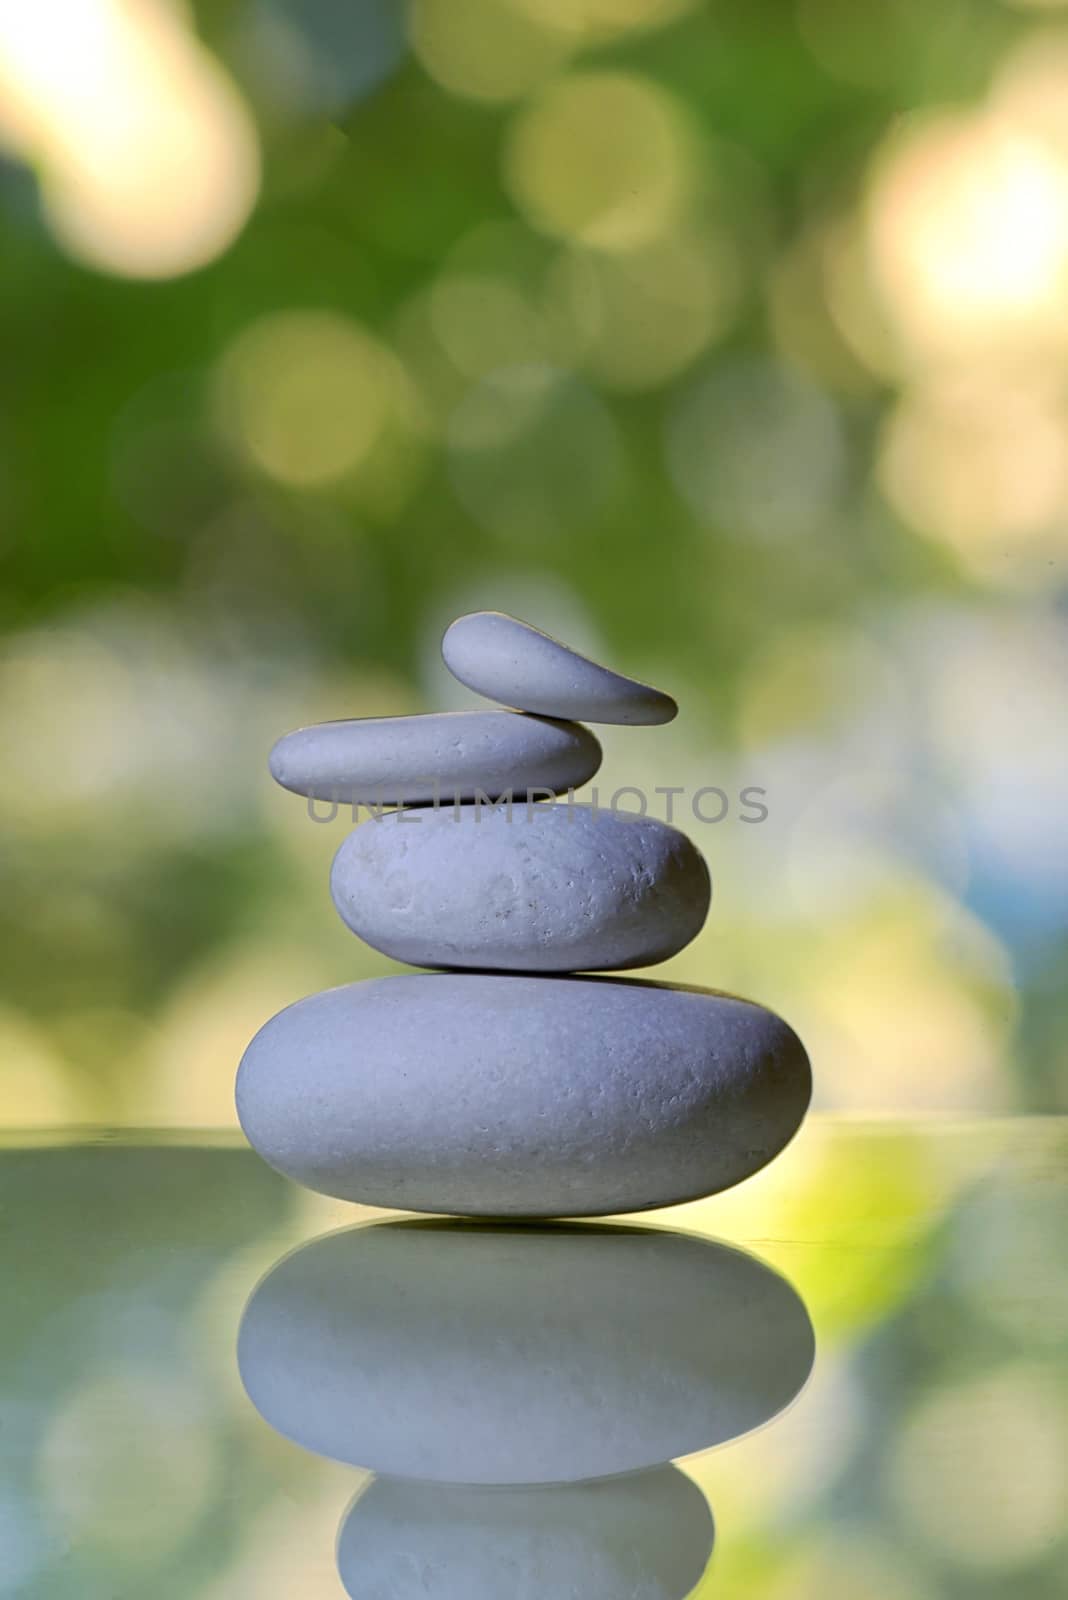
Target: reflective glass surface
(848, 1378)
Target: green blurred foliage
(656, 419)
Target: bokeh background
(727, 341)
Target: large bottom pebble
(502, 1096)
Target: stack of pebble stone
(504, 1086)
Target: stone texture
(468, 1354)
(496, 1095)
(509, 661)
(396, 760)
(646, 1537)
(544, 888)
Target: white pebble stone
(533, 888)
(497, 1095)
(465, 1354)
(448, 755)
(509, 661)
(647, 1536)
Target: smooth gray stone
(494, 1095)
(542, 888)
(647, 1537)
(463, 1353)
(447, 755)
(509, 661)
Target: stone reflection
(468, 1353)
(520, 1392)
(648, 1535)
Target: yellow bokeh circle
(488, 50)
(308, 394)
(601, 157)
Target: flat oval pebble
(531, 888)
(494, 1095)
(509, 661)
(459, 1353)
(443, 755)
(646, 1537)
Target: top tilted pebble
(509, 661)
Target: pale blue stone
(496, 1095)
(443, 755)
(509, 661)
(539, 888)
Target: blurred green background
(727, 341)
